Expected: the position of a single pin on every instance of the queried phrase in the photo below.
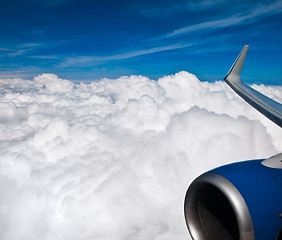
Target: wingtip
(246, 47)
(235, 71)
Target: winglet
(235, 71)
(267, 106)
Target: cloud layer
(113, 159)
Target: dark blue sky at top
(88, 40)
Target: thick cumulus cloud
(113, 159)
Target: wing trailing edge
(268, 107)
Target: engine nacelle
(237, 201)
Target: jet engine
(237, 201)
(241, 201)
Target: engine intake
(240, 201)
(214, 209)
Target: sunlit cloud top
(112, 159)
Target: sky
(89, 40)
(110, 109)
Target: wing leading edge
(268, 107)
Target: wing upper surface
(268, 107)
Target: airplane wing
(268, 107)
(240, 200)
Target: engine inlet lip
(240, 208)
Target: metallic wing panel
(268, 107)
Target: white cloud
(91, 60)
(169, 8)
(112, 159)
(44, 57)
(54, 84)
(245, 17)
(5, 49)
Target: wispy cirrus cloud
(31, 44)
(28, 48)
(5, 49)
(51, 3)
(246, 17)
(90, 60)
(153, 9)
(44, 57)
(15, 53)
(21, 49)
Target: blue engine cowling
(237, 201)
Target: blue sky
(89, 40)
